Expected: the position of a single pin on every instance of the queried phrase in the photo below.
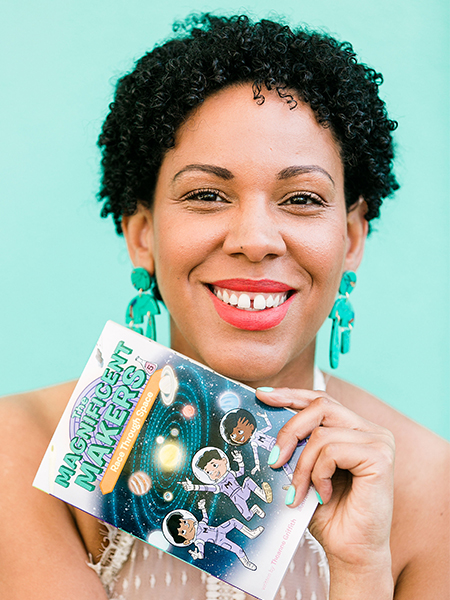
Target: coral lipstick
(249, 304)
(251, 285)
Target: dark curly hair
(209, 53)
(231, 420)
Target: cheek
(321, 250)
(181, 244)
(174, 253)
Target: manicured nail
(265, 389)
(290, 496)
(273, 456)
(319, 499)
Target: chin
(250, 357)
(250, 369)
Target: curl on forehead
(209, 53)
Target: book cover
(175, 454)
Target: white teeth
(244, 301)
(250, 301)
(259, 302)
(279, 300)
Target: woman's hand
(350, 462)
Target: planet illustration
(188, 411)
(156, 538)
(139, 483)
(168, 385)
(169, 456)
(228, 401)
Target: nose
(254, 232)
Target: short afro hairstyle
(209, 53)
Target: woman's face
(249, 235)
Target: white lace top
(131, 569)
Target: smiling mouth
(253, 305)
(250, 301)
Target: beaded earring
(343, 316)
(144, 305)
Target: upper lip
(252, 285)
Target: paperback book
(175, 454)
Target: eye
(205, 195)
(233, 436)
(303, 199)
(241, 431)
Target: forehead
(231, 130)
(214, 461)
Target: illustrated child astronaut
(181, 528)
(238, 427)
(211, 464)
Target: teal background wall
(63, 271)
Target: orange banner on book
(130, 434)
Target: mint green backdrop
(63, 270)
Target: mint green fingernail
(274, 455)
(319, 499)
(265, 389)
(290, 496)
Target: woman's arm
(42, 555)
(420, 535)
(351, 463)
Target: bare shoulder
(421, 521)
(27, 422)
(40, 535)
(41, 409)
(420, 454)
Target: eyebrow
(223, 173)
(213, 169)
(300, 170)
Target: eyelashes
(304, 199)
(297, 200)
(205, 195)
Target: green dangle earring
(343, 317)
(144, 305)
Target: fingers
(297, 399)
(339, 439)
(318, 411)
(368, 456)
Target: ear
(138, 232)
(357, 230)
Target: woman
(244, 161)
